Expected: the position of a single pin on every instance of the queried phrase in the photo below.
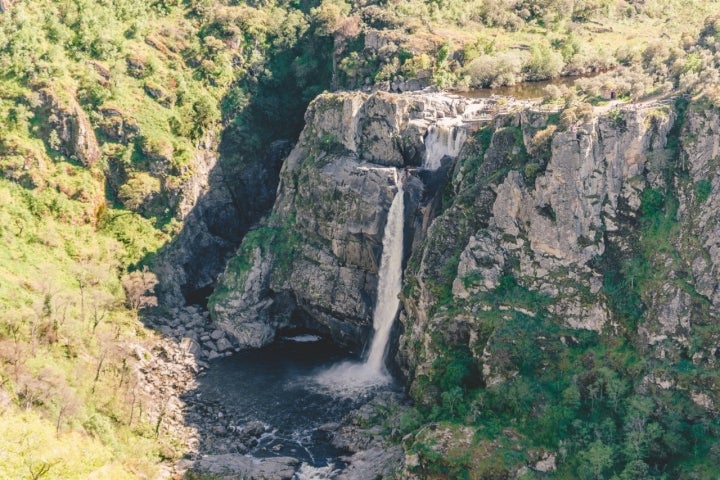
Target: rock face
(67, 127)
(238, 467)
(222, 212)
(610, 230)
(556, 226)
(313, 263)
(532, 218)
(534, 237)
(541, 228)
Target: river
(276, 386)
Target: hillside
(141, 141)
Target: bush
(541, 140)
(653, 201)
(544, 63)
(581, 113)
(139, 191)
(703, 188)
(206, 113)
(495, 70)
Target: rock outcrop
(313, 263)
(225, 204)
(234, 467)
(541, 222)
(529, 206)
(533, 236)
(67, 128)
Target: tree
(205, 113)
(139, 289)
(636, 470)
(68, 404)
(640, 433)
(39, 470)
(495, 70)
(330, 15)
(101, 303)
(544, 63)
(331, 19)
(87, 274)
(452, 401)
(595, 461)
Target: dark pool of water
(521, 91)
(525, 90)
(274, 385)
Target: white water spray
(441, 141)
(350, 378)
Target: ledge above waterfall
(417, 129)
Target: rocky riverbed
(257, 414)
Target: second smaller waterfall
(441, 141)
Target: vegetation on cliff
(503, 383)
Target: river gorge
(451, 214)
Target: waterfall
(351, 378)
(389, 283)
(441, 141)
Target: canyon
(289, 240)
(522, 234)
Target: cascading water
(389, 284)
(348, 377)
(441, 141)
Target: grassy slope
(69, 233)
(61, 229)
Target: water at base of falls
(276, 386)
(349, 379)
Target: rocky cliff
(614, 231)
(577, 249)
(526, 201)
(313, 263)
(531, 227)
(66, 128)
(226, 205)
(584, 254)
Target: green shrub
(543, 63)
(703, 188)
(495, 70)
(652, 202)
(137, 193)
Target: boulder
(240, 467)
